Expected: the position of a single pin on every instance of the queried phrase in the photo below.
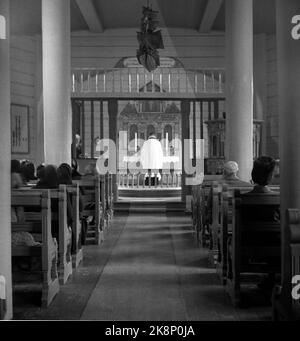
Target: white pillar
(57, 81)
(5, 156)
(239, 84)
(288, 54)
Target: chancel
(144, 186)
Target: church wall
(23, 68)
(272, 121)
(105, 50)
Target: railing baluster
(104, 81)
(129, 81)
(73, 82)
(97, 82)
(160, 81)
(152, 80)
(220, 81)
(81, 82)
(137, 81)
(204, 82)
(88, 81)
(196, 82)
(169, 80)
(213, 81)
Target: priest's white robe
(152, 154)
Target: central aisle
(141, 280)
(156, 272)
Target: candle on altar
(135, 142)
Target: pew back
(37, 220)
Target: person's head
(40, 171)
(64, 174)
(50, 179)
(230, 169)
(15, 166)
(152, 136)
(27, 170)
(263, 169)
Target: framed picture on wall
(19, 129)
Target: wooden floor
(149, 268)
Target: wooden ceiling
(100, 15)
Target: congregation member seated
(49, 179)
(230, 171)
(27, 171)
(262, 174)
(16, 178)
(40, 171)
(75, 174)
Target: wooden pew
(202, 215)
(76, 224)
(254, 247)
(73, 191)
(108, 207)
(64, 232)
(226, 219)
(93, 192)
(284, 305)
(38, 222)
(195, 209)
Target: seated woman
(27, 171)
(15, 170)
(49, 178)
(262, 174)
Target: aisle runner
(140, 281)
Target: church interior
(150, 160)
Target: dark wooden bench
(284, 306)
(254, 247)
(37, 221)
(92, 191)
(76, 224)
(108, 183)
(59, 218)
(224, 215)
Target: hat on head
(231, 167)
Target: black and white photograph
(149, 163)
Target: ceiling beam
(90, 15)
(209, 16)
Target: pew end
(37, 220)
(286, 307)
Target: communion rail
(139, 80)
(140, 180)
